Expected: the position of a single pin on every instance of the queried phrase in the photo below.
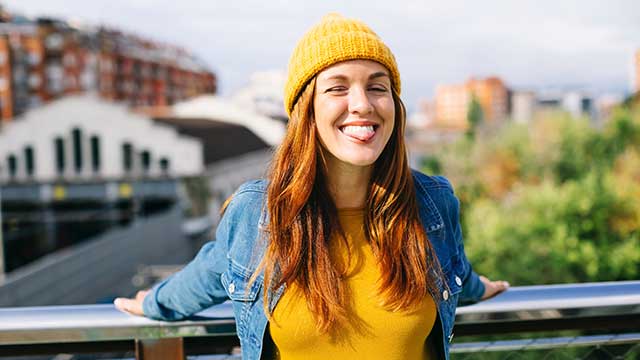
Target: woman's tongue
(362, 133)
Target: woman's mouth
(359, 132)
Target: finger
(499, 286)
(121, 304)
(128, 305)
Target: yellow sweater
(374, 333)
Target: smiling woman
(354, 111)
(344, 251)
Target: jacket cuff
(151, 306)
(473, 289)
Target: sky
(530, 45)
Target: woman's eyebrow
(337, 77)
(371, 77)
(378, 74)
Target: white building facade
(83, 138)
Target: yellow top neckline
(350, 211)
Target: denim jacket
(222, 268)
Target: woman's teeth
(363, 133)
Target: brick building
(44, 59)
(452, 102)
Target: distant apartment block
(523, 106)
(575, 102)
(452, 102)
(44, 59)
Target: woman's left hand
(492, 288)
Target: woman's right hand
(132, 306)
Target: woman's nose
(359, 101)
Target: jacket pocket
(236, 281)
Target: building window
(76, 136)
(164, 166)
(29, 160)
(127, 157)
(59, 150)
(13, 166)
(145, 160)
(95, 153)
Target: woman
(345, 251)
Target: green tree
(431, 165)
(551, 233)
(474, 117)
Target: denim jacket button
(232, 288)
(458, 281)
(445, 295)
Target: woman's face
(354, 111)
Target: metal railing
(611, 308)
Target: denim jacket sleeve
(198, 285)
(472, 287)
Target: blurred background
(124, 125)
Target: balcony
(577, 321)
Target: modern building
(237, 141)
(575, 102)
(523, 106)
(578, 104)
(526, 105)
(81, 166)
(85, 138)
(452, 102)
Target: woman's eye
(378, 88)
(336, 89)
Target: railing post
(153, 349)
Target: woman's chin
(359, 161)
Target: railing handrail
(559, 296)
(78, 323)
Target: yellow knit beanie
(333, 40)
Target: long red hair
(303, 220)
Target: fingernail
(117, 302)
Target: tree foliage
(474, 117)
(556, 201)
